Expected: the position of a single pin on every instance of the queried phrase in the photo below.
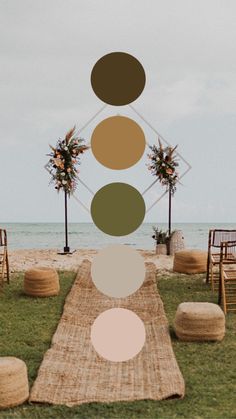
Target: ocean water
(86, 235)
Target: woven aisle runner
(73, 373)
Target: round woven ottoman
(199, 322)
(190, 261)
(41, 282)
(14, 387)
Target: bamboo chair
(227, 288)
(4, 263)
(216, 236)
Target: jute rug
(73, 373)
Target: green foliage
(160, 236)
(209, 369)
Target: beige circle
(118, 142)
(118, 334)
(118, 271)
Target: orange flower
(169, 171)
(57, 162)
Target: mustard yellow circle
(118, 142)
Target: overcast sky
(187, 48)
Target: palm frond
(172, 150)
(52, 148)
(70, 134)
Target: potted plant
(161, 239)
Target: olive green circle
(118, 209)
(118, 78)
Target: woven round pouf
(190, 261)
(14, 386)
(41, 282)
(199, 322)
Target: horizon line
(90, 222)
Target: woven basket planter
(161, 249)
(176, 242)
(14, 386)
(190, 261)
(41, 282)
(199, 322)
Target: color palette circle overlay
(118, 142)
(117, 209)
(118, 271)
(118, 78)
(118, 334)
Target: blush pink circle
(118, 334)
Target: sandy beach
(21, 260)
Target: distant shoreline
(147, 222)
(87, 235)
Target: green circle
(118, 209)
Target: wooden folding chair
(227, 288)
(216, 236)
(4, 263)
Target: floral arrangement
(64, 161)
(163, 165)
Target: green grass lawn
(209, 369)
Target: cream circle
(118, 271)
(118, 334)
